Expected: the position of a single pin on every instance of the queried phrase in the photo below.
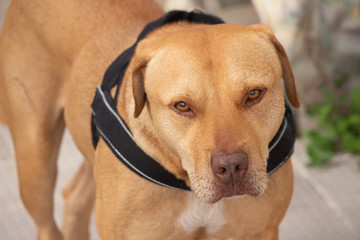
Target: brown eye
(182, 107)
(254, 94)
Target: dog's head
(215, 99)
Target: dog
(203, 100)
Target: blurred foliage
(338, 129)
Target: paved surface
(325, 205)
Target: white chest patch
(199, 214)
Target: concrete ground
(325, 205)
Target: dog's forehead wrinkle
(191, 83)
(217, 59)
(239, 70)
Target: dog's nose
(230, 168)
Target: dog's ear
(145, 51)
(138, 87)
(287, 73)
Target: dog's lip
(220, 195)
(232, 190)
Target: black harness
(107, 123)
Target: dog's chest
(202, 215)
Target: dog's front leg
(79, 197)
(36, 150)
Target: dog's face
(215, 99)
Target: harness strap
(281, 146)
(119, 139)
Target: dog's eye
(182, 107)
(254, 94)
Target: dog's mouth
(213, 191)
(229, 175)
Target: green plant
(338, 120)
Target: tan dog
(202, 95)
